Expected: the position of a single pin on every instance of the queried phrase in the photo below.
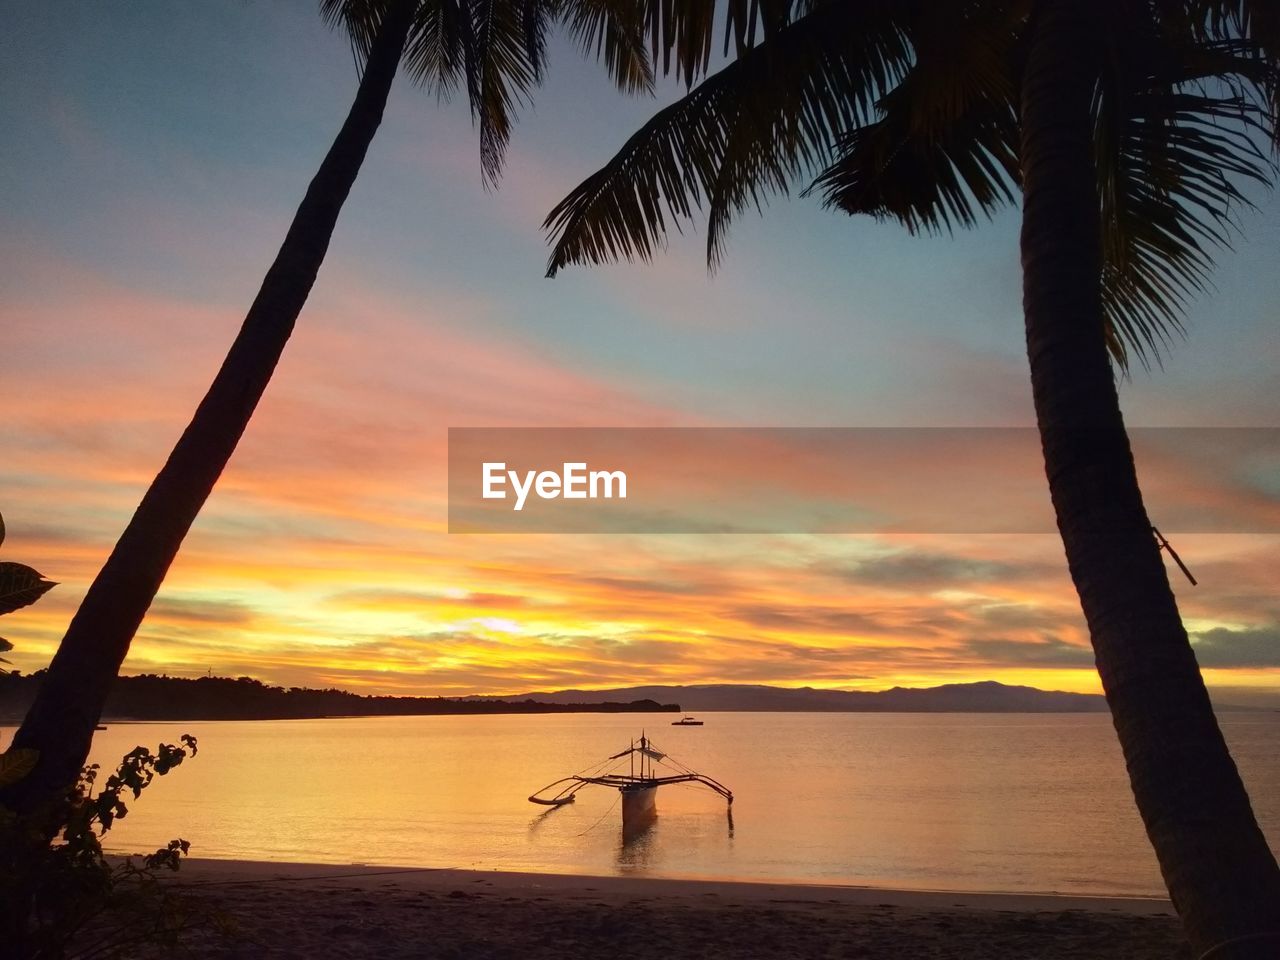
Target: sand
(321, 911)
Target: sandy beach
(279, 910)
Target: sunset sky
(151, 157)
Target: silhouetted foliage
(908, 112)
(151, 697)
(63, 897)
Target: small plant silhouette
(66, 898)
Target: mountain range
(150, 697)
(986, 696)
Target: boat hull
(639, 804)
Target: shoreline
(290, 911)
(209, 871)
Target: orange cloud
(321, 558)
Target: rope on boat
(702, 780)
(600, 819)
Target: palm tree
(496, 50)
(1128, 127)
(1217, 866)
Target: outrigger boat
(638, 785)
(687, 721)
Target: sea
(966, 802)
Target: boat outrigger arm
(641, 754)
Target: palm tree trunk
(69, 704)
(1216, 864)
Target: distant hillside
(985, 697)
(150, 697)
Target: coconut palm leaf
(1258, 23)
(1170, 194)
(927, 136)
(504, 64)
(682, 33)
(496, 51)
(1170, 164)
(1181, 119)
(613, 33)
(944, 150)
(496, 48)
(927, 184)
(740, 135)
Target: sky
(151, 157)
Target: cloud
(648, 587)
(425, 601)
(200, 612)
(843, 621)
(1048, 650)
(1025, 616)
(1252, 647)
(644, 651)
(321, 557)
(918, 569)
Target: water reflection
(638, 841)
(957, 801)
(536, 823)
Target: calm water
(971, 802)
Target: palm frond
(783, 131)
(496, 50)
(741, 134)
(911, 115)
(944, 150)
(1175, 147)
(927, 184)
(1254, 21)
(614, 32)
(681, 31)
(359, 19)
(504, 62)
(1177, 133)
(1255, 26)
(436, 54)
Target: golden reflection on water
(976, 802)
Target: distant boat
(638, 785)
(686, 722)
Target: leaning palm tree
(495, 51)
(1129, 127)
